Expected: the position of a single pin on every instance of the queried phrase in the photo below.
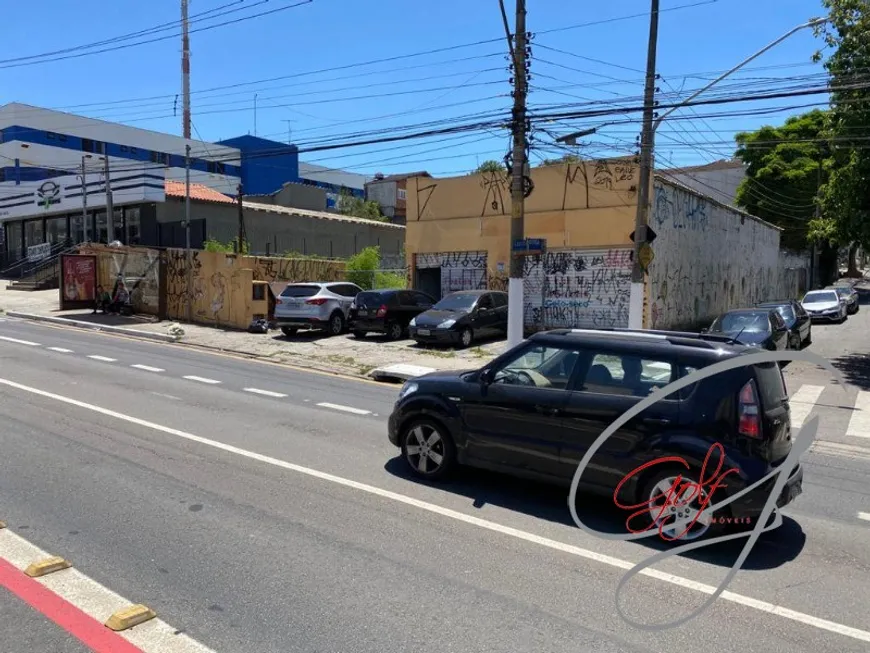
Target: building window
(101, 234)
(55, 230)
(211, 166)
(119, 225)
(61, 138)
(96, 147)
(34, 233)
(77, 228)
(259, 292)
(133, 150)
(134, 225)
(49, 136)
(13, 239)
(159, 157)
(402, 194)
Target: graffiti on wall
(577, 289)
(176, 281)
(458, 271)
(496, 185)
(710, 258)
(140, 270)
(296, 269)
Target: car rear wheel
(428, 449)
(466, 337)
(289, 331)
(336, 324)
(670, 501)
(395, 331)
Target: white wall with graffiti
(710, 258)
(456, 271)
(577, 288)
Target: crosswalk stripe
(859, 424)
(802, 403)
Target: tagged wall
(709, 258)
(577, 289)
(457, 270)
(222, 288)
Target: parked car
(316, 305)
(387, 311)
(825, 305)
(849, 295)
(798, 321)
(535, 410)
(461, 317)
(755, 327)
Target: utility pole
(187, 233)
(518, 177)
(110, 204)
(243, 237)
(647, 143)
(289, 131)
(185, 69)
(84, 199)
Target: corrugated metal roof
(320, 215)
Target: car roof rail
(685, 338)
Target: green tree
(231, 247)
(785, 167)
(489, 166)
(846, 195)
(562, 160)
(349, 204)
(364, 269)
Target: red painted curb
(83, 627)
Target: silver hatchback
(315, 305)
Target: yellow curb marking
(129, 617)
(47, 566)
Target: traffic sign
(645, 256)
(529, 246)
(650, 235)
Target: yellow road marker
(47, 566)
(129, 617)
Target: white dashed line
(265, 393)
(148, 368)
(105, 359)
(802, 402)
(201, 379)
(61, 350)
(859, 424)
(531, 538)
(19, 342)
(346, 409)
(864, 515)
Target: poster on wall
(78, 281)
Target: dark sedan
(754, 327)
(798, 321)
(461, 317)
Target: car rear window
(372, 298)
(771, 385)
(300, 291)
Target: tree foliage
(364, 269)
(567, 158)
(350, 205)
(231, 247)
(489, 166)
(846, 195)
(785, 169)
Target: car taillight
(382, 310)
(749, 419)
(319, 301)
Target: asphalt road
(339, 550)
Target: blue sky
(601, 61)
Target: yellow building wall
(585, 205)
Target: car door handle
(657, 421)
(547, 410)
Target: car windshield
(462, 301)
(820, 296)
(751, 321)
(785, 311)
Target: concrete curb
(161, 337)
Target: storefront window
(102, 232)
(119, 225)
(13, 240)
(134, 225)
(33, 233)
(77, 228)
(55, 230)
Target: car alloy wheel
(428, 449)
(466, 337)
(336, 324)
(395, 331)
(678, 518)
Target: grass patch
(342, 360)
(439, 354)
(479, 352)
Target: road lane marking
(20, 342)
(148, 368)
(864, 515)
(859, 424)
(802, 403)
(265, 393)
(104, 359)
(61, 350)
(345, 409)
(81, 606)
(201, 379)
(679, 581)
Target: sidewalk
(342, 354)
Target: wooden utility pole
(518, 175)
(647, 143)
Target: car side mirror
(705, 330)
(486, 376)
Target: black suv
(535, 410)
(387, 311)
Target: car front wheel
(466, 337)
(428, 449)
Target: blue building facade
(266, 165)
